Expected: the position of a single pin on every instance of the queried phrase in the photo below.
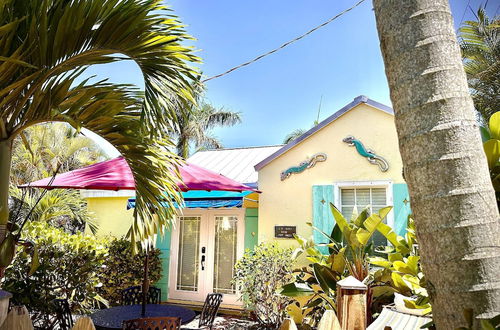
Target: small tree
(258, 276)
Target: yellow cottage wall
(289, 202)
(111, 215)
(113, 218)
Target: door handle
(203, 262)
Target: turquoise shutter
(401, 201)
(322, 215)
(163, 244)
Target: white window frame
(337, 186)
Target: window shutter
(322, 215)
(401, 201)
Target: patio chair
(63, 314)
(133, 295)
(208, 313)
(153, 323)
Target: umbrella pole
(145, 283)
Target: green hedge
(86, 270)
(122, 270)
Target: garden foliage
(491, 145)
(400, 268)
(83, 269)
(258, 276)
(68, 268)
(122, 269)
(349, 246)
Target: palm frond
(293, 135)
(46, 47)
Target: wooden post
(351, 304)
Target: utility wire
(285, 44)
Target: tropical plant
(45, 49)
(401, 269)
(122, 269)
(258, 276)
(67, 267)
(61, 208)
(40, 149)
(452, 198)
(349, 247)
(88, 271)
(293, 135)
(195, 121)
(491, 145)
(37, 152)
(480, 44)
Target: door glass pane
(225, 253)
(189, 241)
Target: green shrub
(122, 269)
(68, 269)
(258, 276)
(86, 270)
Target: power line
(285, 44)
(463, 16)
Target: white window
(359, 198)
(374, 194)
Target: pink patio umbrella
(115, 174)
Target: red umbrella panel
(115, 174)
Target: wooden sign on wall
(284, 231)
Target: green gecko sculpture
(370, 155)
(319, 157)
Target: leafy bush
(68, 268)
(258, 276)
(491, 145)
(122, 269)
(401, 269)
(84, 269)
(349, 248)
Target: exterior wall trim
(91, 193)
(357, 101)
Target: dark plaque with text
(284, 231)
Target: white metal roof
(237, 163)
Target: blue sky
(282, 92)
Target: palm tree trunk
(183, 147)
(5, 161)
(451, 194)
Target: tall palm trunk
(5, 161)
(451, 194)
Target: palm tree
(196, 120)
(46, 47)
(40, 149)
(480, 43)
(293, 135)
(37, 152)
(452, 198)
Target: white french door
(205, 247)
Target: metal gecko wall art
(319, 157)
(370, 155)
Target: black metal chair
(63, 314)
(153, 323)
(133, 295)
(208, 313)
